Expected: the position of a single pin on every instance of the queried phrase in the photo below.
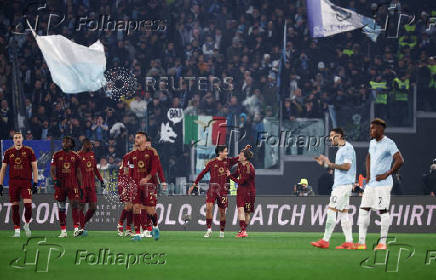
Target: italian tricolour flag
(204, 130)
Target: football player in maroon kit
(67, 177)
(22, 165)
(88, 193)
(147, 224)
(125, 194)
(218, 186)
(143, 164)
(245, 197)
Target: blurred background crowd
(216, 38)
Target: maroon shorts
(88, 195)
(61, 193)
(220, 199)
(245, 198)
(19, 188)
(145, 195)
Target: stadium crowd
(220, 38)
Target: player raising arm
(245, 197)
(218, 186)
(22, 165)
(65, 171)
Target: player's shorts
(19, 188)
(220, 199)
(340, 197)
(146, 195)
(245, 198)
(376, 198)
(61, 193)
(88, 195)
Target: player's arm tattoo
(35, 171)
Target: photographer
(303, 188)
(430, 180)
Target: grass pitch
(187, 255)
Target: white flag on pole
(326, 19)
(73, 67)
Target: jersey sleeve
(347, 157)
(6, 157)
(203, 172)
(97, 173)
(232, 161)
(32, 156)
(392, 147)
(160, 172)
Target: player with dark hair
(383, 160)
(22, 165)
(218, 186)
(87, 190)
(246, 193)
(159, 179)
(142, 165)
(67, 177)
(344, 178)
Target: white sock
(384, 226)
(329, 224)
(346, 226)
(364, 218)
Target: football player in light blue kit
(345, 177)
(377, 193)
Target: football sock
(329, 225)
(364, 217)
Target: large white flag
(73, 67)
(326, 19)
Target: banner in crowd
(272, 213)
(44, 150)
